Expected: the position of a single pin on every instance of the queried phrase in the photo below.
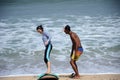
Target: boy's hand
(46, 43)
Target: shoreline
(64, 76)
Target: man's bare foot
(76, 77)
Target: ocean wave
(21, 44)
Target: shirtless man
(76, 51)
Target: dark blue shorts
(80, 49)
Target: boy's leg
(47, 58)
(48, 67)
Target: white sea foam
(60, 58)
(3, 24)
(42, 19)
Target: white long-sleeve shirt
(46, 37)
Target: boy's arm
(48, 38)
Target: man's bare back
(75, 40)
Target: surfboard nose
(48, 77)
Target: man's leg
(74, 66)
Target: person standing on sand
(76, 51)
(48, 47)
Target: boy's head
(40, 29)
(67, 29)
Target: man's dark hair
(39, 27)
(67, 27)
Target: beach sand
(65, 77)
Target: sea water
(96, 22)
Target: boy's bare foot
(48, 72)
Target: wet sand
(65, 77)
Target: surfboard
(48, 77)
